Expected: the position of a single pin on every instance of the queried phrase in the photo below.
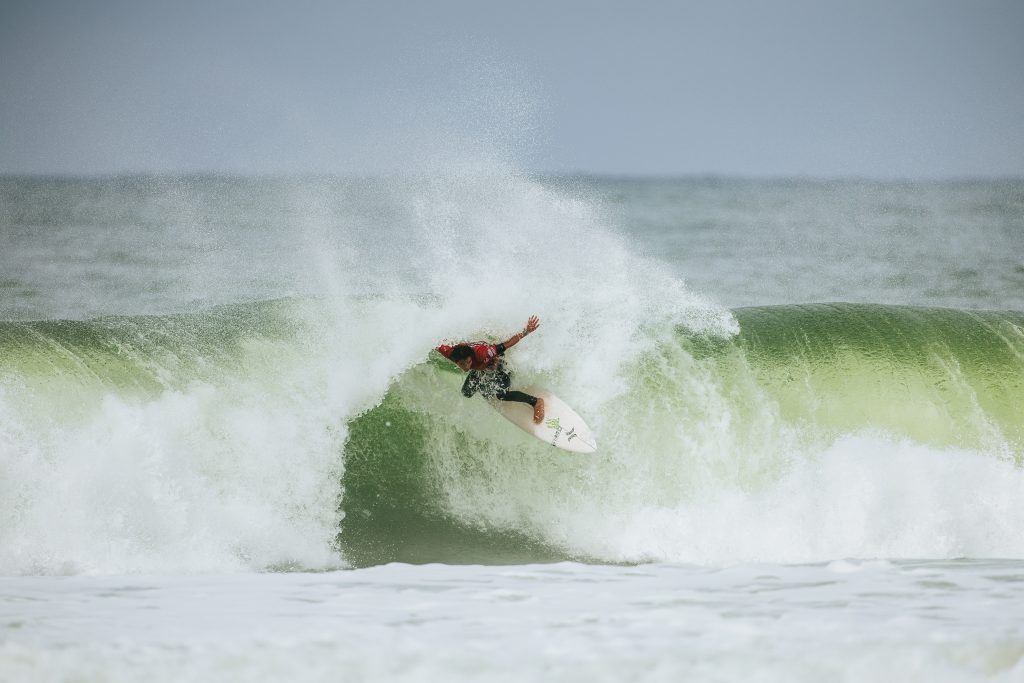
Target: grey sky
(914, 88)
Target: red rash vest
(485, 356)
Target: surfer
(486, 367)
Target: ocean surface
(227, 451)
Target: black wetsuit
(494, 383)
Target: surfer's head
(462, 355)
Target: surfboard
(561, 426)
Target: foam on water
(846, 620)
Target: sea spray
(216, 440)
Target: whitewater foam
(847, 620)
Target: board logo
(556, 424)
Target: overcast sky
(882, 88)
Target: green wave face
(146, 355)
(250, 437)
(937, 376)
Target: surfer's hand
(531, 325)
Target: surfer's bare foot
(538, 410)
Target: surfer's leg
(472, 383)
(487, 383)
(502, 382)
(520, 397)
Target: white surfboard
(561, 426)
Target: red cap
(445, 350)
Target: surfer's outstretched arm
(532, 324)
